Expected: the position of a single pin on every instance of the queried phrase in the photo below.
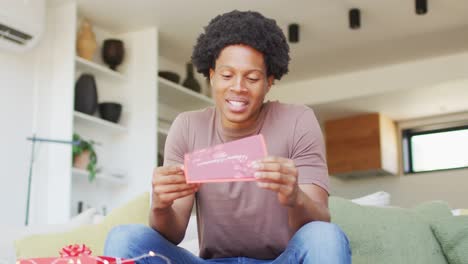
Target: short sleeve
(308, 151)
(176, 141)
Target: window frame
(408, 133)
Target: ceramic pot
(113, 52)
(86, 41)
(171, 76)
(190, 81)
(81, 161)
(86, 97)
(110, 111)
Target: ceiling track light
(421, 7)
(293, 33)
(354, 18)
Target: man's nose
(238, 85)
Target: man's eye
(226, 76)
(252, 79)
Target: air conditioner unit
(21, 23)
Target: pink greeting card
(225, 162)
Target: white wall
(54, 70)
(16, 102)
(141, 148)
(33, 100)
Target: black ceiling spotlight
(293, 33)
(354, 18)
(421, 7)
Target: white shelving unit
(124, 146)
(111, 85)
(99, 122)
(163, 131)
(94, 68)
(104, 177)
(127, 147)
(181, 98)
(173, 99)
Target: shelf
(163, 126)
(181, 98)
(94, 68)
(163, 131)
(99, 177)
(98, 122)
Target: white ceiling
(391, 32)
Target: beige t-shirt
(240, 219)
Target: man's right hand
(169, 185)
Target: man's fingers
(276, 167)
(168, 170)
(169, 179)
(273, 159)
(275, 177)
(267, 166)
(170, 188)
(169, 197)
(280, 188)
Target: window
(435, 148)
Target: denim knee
(319, 242)
(320, 235)
(123, 238)
(128, 232)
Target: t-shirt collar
(228, 134)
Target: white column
(50, 200)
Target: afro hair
(248, 28)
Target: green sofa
(425, 234)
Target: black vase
(86, 97)
(110, 111)
(113, 52)
(190, 81)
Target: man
(283, 217)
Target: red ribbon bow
(75, 251)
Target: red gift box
(74, 260)
(75, 254)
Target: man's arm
(172, 222)
(305, 203)
(172, 203)
(311, 205)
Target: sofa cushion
(390, 235)
(48, 245)
(452, 234)
(458, 212)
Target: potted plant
(84, 156)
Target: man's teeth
(236, 103)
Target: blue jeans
(315, 242)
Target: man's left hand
(279, 175)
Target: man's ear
(270, 82)
(211, 76)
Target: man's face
(240, 83)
